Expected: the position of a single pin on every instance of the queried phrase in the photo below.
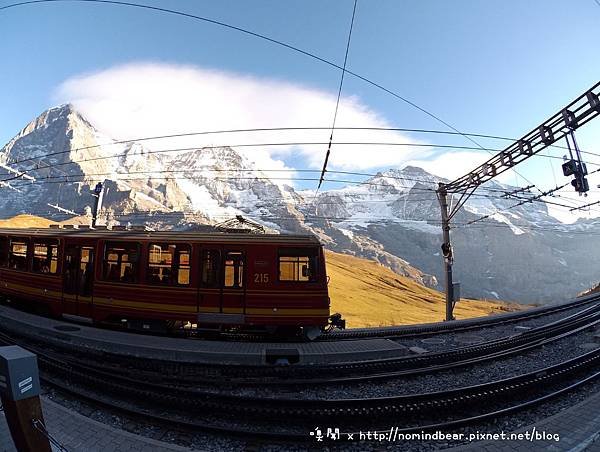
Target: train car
(160, 280)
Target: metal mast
(562, 124)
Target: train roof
(178, 236)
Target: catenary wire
(288, 129)
(248, 145)
(272, 40)
(339, 94)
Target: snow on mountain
(520, 253)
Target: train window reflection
(17, 257)
(121, 262)
(234, 269)
(45, 257)
(168, 264)
(297, 265)
(210, 268)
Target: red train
(166, 280)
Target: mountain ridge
(391, 217)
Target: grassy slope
(368, 294)
(25, 221)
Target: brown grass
(25, 221)
(368, 294)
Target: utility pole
(442, 195)
(562, 124)
(98, 193)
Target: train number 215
(261, 278)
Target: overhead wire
(72, 178)
(264, 37)
(291, 129)
(157, 215)
(339, 94)
(537, 198)
(272, 40)
(248, 32)
(240, 145)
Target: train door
(234, 282)
(78, 280)
(210, 283)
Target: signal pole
(442, 195)
(582, 110)
(98, 193)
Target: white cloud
(150, 99)
(452, 164)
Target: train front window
(234, 269)
(17, 256)
(297, 264)
(168, 264)
(121, 262)
(45, 257)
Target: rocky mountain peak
(393, 217)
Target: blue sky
(495, 67)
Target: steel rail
(434, 362)
(376, 408)
(413, 365)
(181, 374)
(457, 325)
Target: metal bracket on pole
(582, 110)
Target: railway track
(455, 326)
(168, 401)
(422, 330)
(417, 331)
(458, 407)
(379, 369)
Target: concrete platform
(193, 350)
(578, 430)
(76, 432)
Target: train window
(86, 271)
(210, 268)
(297, 264)
(168, 264)
(17, 256)
(183, 262)
(70, 269)
(3, 251)
(45, 256)
(234, 269)
(121, 262)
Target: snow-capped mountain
(518, 253)
(521, 254)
